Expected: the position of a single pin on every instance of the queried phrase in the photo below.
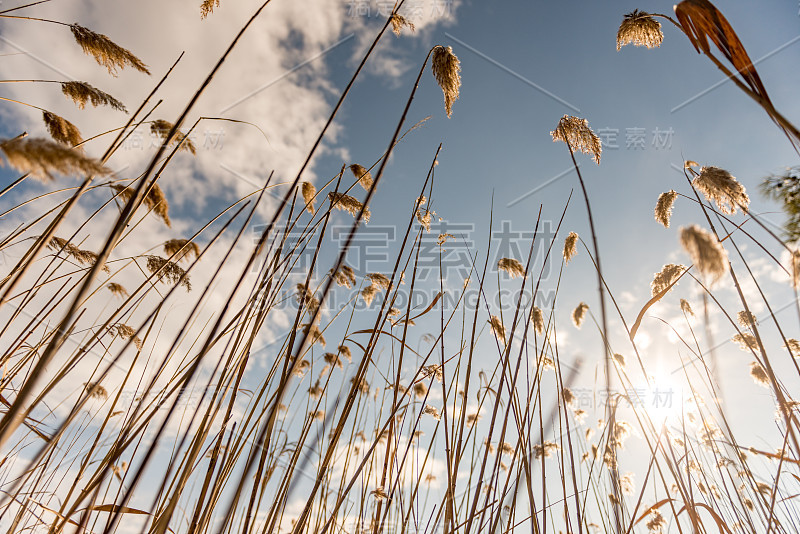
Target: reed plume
(168, 270)
(497, 327)
(61, 130)
(665, 278)
(686, 307)
(570, 246)
(446, 68)
(640, 29)
(579, 314)
(118, 290)
(309, 192)
(82, 92)
(43, 158)
(349, 204)
(537, 318)
(723, 189)
(707, 253)
(207, 7)
(576, 133)
(399, 22)
(154, 200)
(513, 267)
(182, 248)
(663, 210)
(105, 51)
(363, 175)
(161, 128)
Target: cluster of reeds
(207, 383)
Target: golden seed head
(368, 294)
(570, 246)
(446, 67)
(663, 211)
(568, 396)
(61, 130)
(537, 318)
(379, 280)
(620, 359)
(746, 319)
(162, 129)
(117, 290)
(719, 186)
(349, 204)
(747, 342)
(182, 249)
(171, 271)
(309, 192)
(759, 374)
(579, 314)
(105, 51)
(640, 29)
(686, 308)
(154, 200)
(82, 92)
(43, 158)
(399, 22)
(511, 266)
(497, 327)
(363, 175)
(707, 253)
(345, 276)
(793, 346)
(95, 391)
(432, 411)
(207, 7)
(126, 332)
(576, 133)
(666, 278)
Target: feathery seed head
(349, 204)
(309, 192)
(154, 200)
(511, 266)
(399, 22)
(747, 342)
(168, 270)
(579, 314)
(719, 186)
(640, 29)
(105, 51)
(82, 92)
(43, 158)
(207, 7)
(576, 133)
(664, 279)
(363, 175)
(746, 319)
(181, 248)
(663, 210)
(446, 67)
(497, 327)
(686, 308)
(61, 130)
(793, 346)
(537, 318)
(759, 374)
(118, 290)
(707, 253)
(162, 128)
(570, 246)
